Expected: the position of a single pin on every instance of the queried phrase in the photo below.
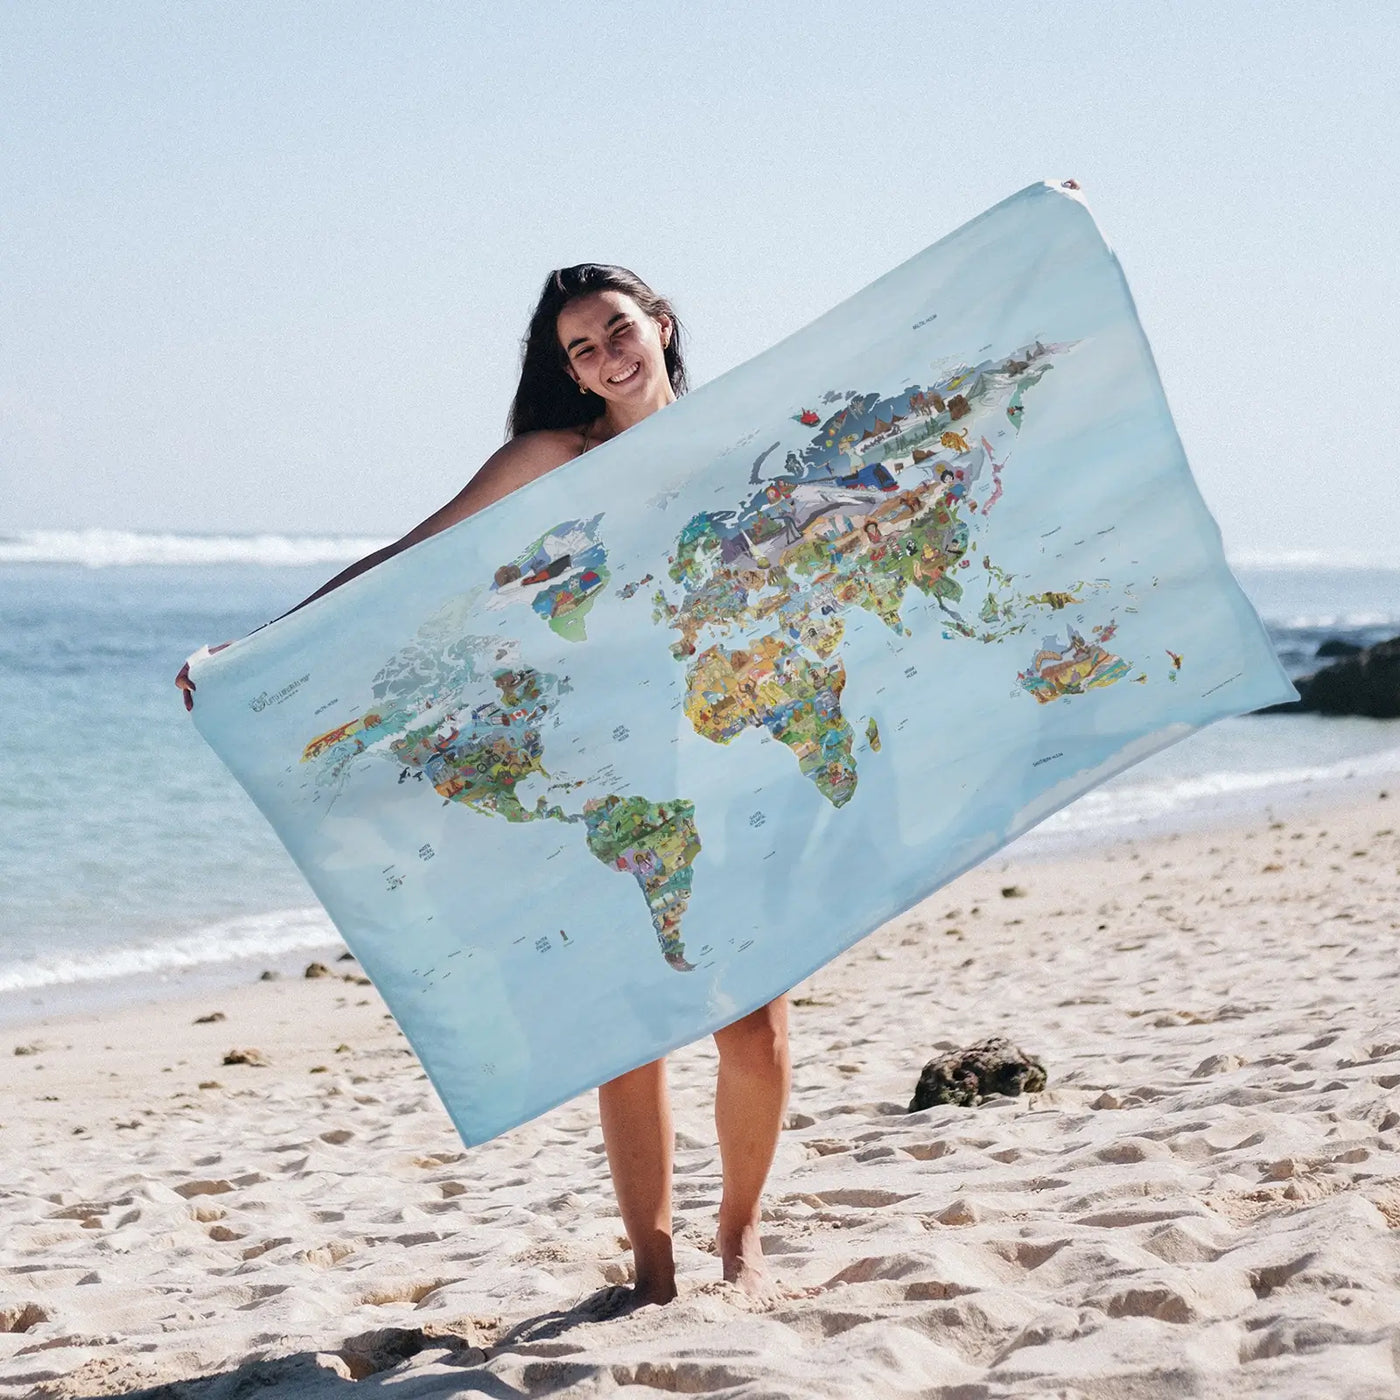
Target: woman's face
(614, 348)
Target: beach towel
(633, 751)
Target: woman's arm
(521, 460)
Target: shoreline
(1204, 1201)
(1196, 806)
(1124, 809)
(96, 996)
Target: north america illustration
(890, 496)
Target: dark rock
(210, 1018)
(346, 957)
(966, 1077)
(268, 975)
(1335, 646)
(250, 1056)
(317, 969)
(1367, 684)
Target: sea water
(131, 863)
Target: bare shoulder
(520, 461)
(532, 454)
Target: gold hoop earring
(581, 389)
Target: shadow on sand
(458, 1348)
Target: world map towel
(633, 751)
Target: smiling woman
(603, 351)
(589, 319)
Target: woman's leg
(755, 1070)
(636, 1114)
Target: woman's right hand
(183, 682)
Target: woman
(603, 351)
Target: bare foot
(746, 1269)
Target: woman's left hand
(185, 684)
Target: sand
(1204, 1201)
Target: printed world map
(892, 496)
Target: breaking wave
(233, 940)
(1105, 811)
(113, 548)
(104, 549)
(1309, 560)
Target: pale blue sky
(266, 265)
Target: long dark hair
(547, 396)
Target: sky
(266, 266)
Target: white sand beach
(1205, 1201)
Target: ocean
(132, 865)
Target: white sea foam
(110, 548)
(101, 549)
(1310, 560)
(233, 940)
(1334, 622)
(1133, 803)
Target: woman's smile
(617, 351)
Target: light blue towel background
(1096, 487)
